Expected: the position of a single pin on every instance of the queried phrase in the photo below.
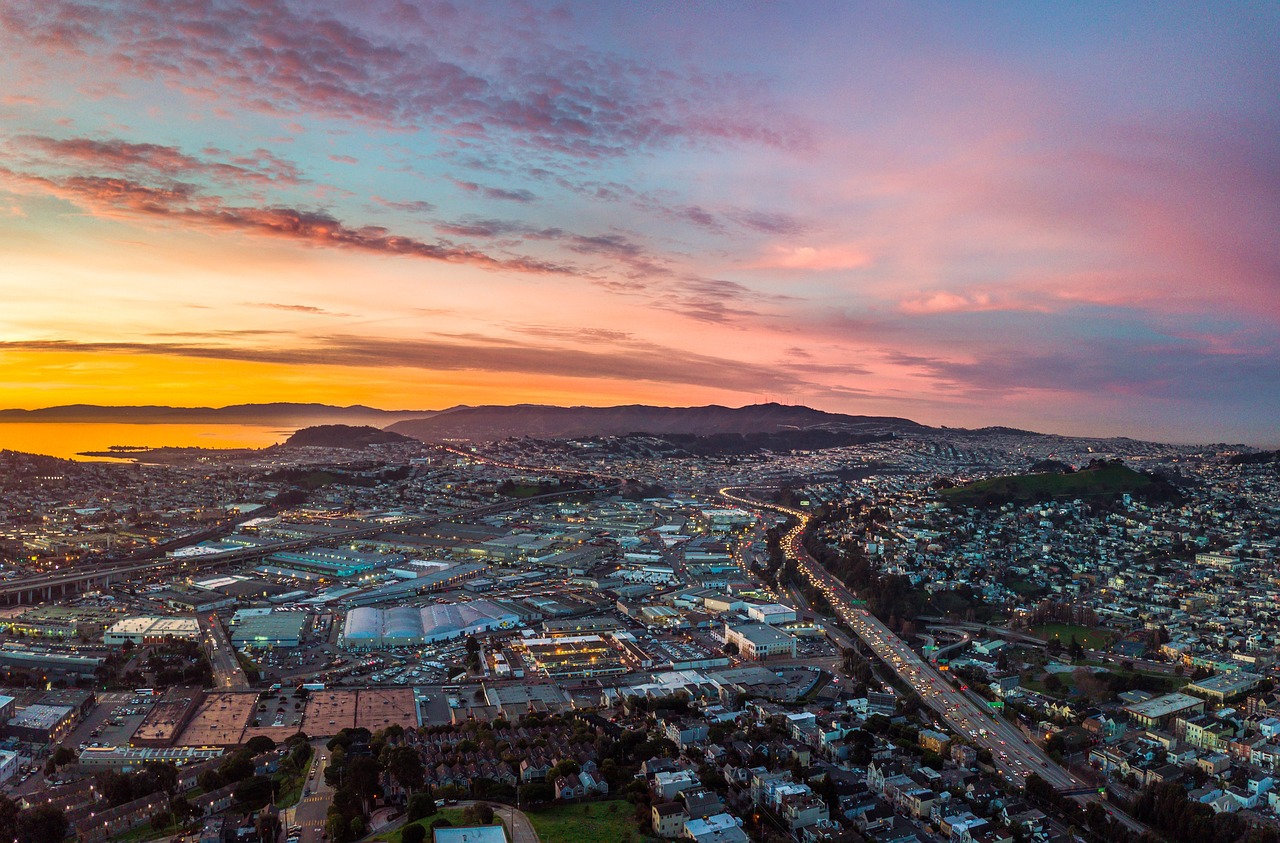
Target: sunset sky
(1057, 216)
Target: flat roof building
(151, 630)
(277, 629)
(1162, 710)
(477, 834)
(1225, 686)
(41, 723)
(759, 641)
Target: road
(191, 564)
(1013, 754)
(310, 813)
(227, 672)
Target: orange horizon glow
(961, 217)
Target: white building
(151, 630)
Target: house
(667, 785)
(722, 828)
(532, 770)
(568, 788)
(668, 819)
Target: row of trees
(44, 824)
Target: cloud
(296, 308)
(183, 203)
(631, 361)
(479, 77)
(498, 193)
(118, 156)
(344, 159)
(817, 258)
(1136, 367)
(417, 206)
(975, 301)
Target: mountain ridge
(491, 422)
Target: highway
(227, 672)
(191, 564)
(1013, 754)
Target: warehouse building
(368, 628)
(151, 630)
(41, 723)
(277, 629)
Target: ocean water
(68, 439)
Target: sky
(1056, 216)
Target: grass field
(1091, 639)
(589, 822)
(1106, 481)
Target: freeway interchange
(1013, 754)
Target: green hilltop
(1100, 479)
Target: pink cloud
(817, 258)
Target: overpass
(48, 587)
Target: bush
(420, 805)
(413, 834)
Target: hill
(1099, 480)
(488, 423)
(343, 436)
(281, 413)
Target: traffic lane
(313, 809)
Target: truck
(312, 686)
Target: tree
(567, 767)
(42, 824)
(254, 793)
(210, 780)
(362, 778)
(422, 804)
(237, 767)
(259, 744)
(536, 793)
(337, 827)
(405, 766)
(413, 834)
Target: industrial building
(760, 641)
(277, 629)
(368, 628)
(151, 630)
(1159, 711)
(41, 723)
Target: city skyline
(1060, 219)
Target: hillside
(1101, 480)
(343, 436)
(493, 422)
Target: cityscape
(585, 422)
(936, 634)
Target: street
(227, 673)
(1013, 754)
(310, 812)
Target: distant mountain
(344, 436)
(284, 414)
(488, 423)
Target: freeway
(189, 564)
(227, 672)
(1013, 754)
